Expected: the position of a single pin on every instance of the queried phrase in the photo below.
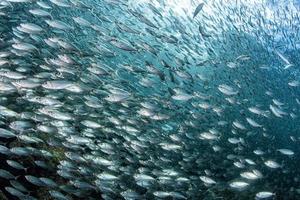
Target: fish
(31, 27)
(198, 9)
(272, 164)
(253, 123)
(238, 185)
(121, 45)
(22, 46)
(15, 192)
(264, 195)
(255, 174)
(6, 174)
(227, 90)
(15, 165)
(286, 152)
(239, 125)
(58, 24)
(294, 83)
(207, 180)
(81, 21)
(39, 12)
(6, 133)
(182, 97)
(277, 111)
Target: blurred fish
(198, 9)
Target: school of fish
(149, 99)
